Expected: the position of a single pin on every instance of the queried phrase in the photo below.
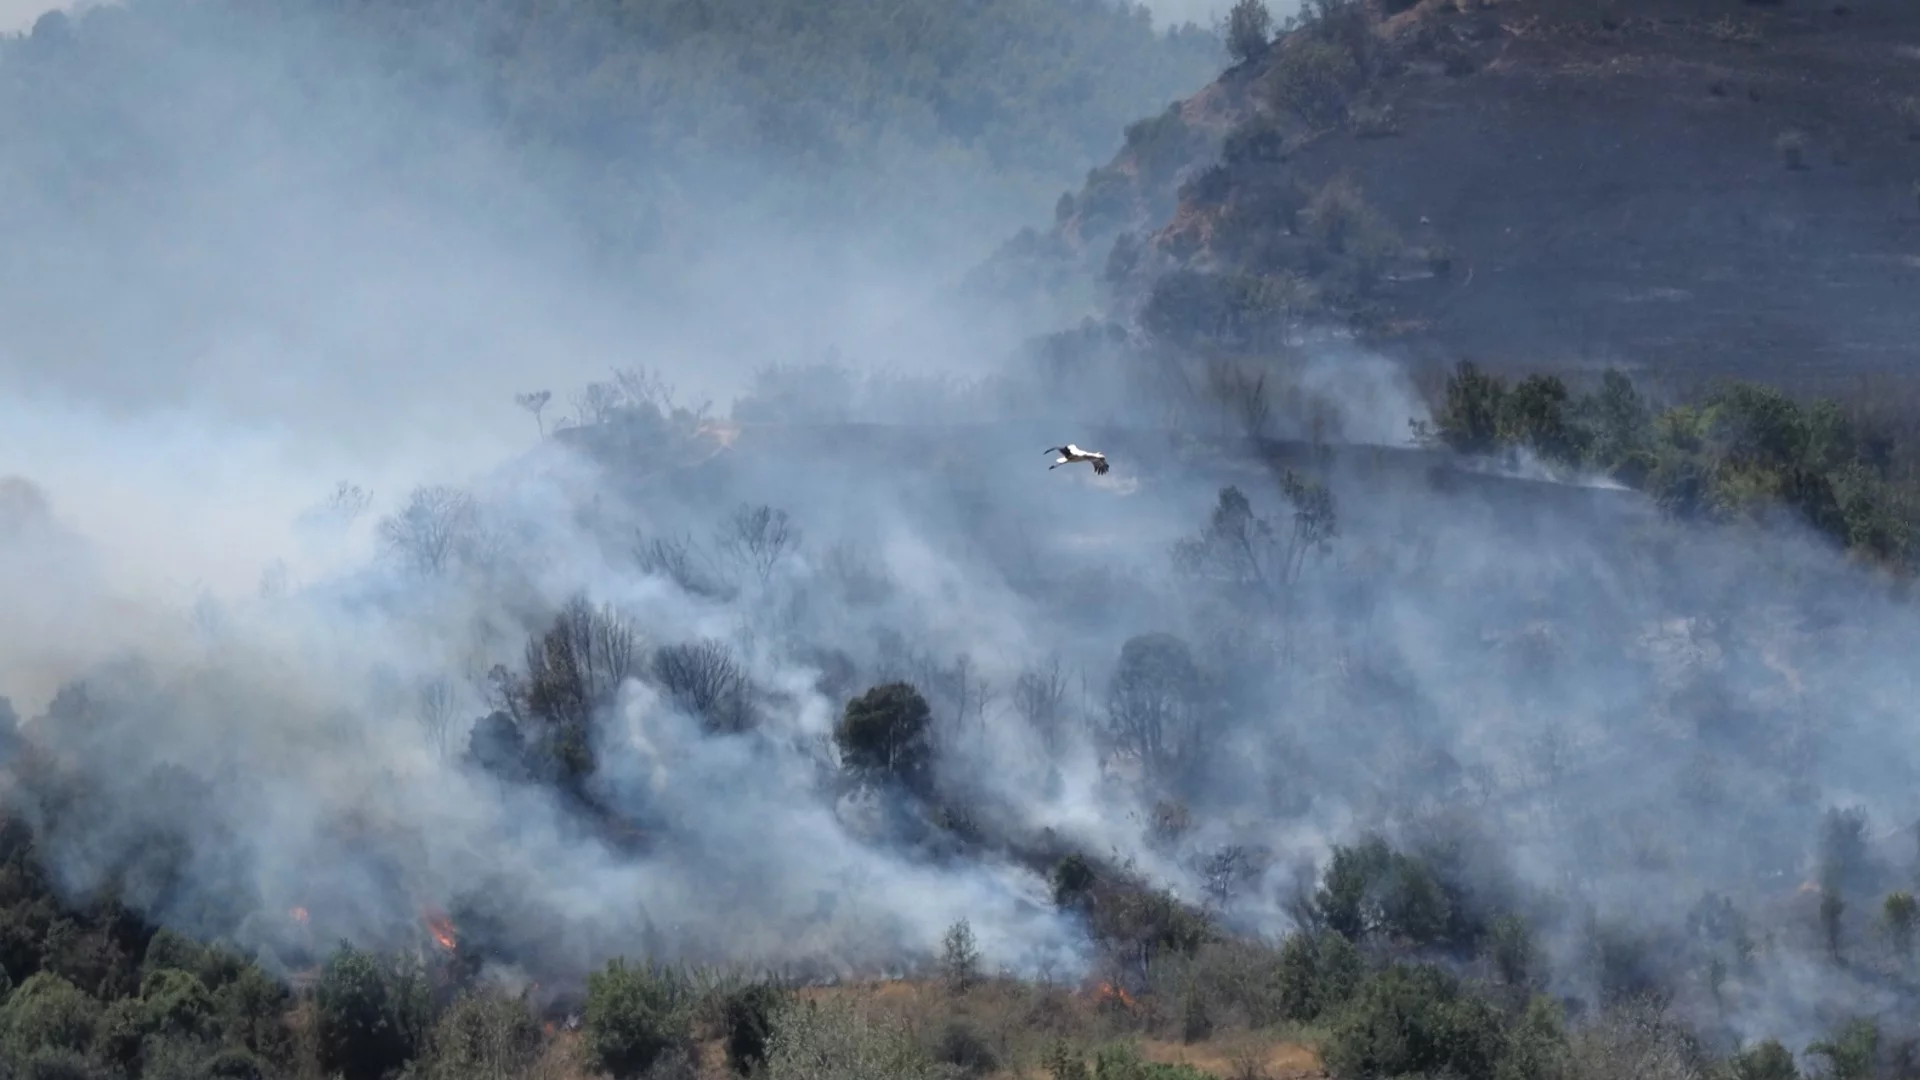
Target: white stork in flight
(1071, 453)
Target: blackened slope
(1607, 179)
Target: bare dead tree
(598, 403)
(1255, 410)
(1225, 871)
(437, 526)
(534, 401)
(758, 537)
(972, 692)
(348, 501)
(574, 670)
(1236, 547)
(436, 707)
(703, 678)
(1040, 696)
(679, 561)
(643, 388)
(580, 662)
(1316, 521)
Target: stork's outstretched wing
(1100, 465)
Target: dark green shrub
(634, 1016)
(963, 1048)
(48, 1012)
(747, 1018)
(370, 1014)
(1414, 1020)
(484, 1035)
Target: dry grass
(1019, 1021)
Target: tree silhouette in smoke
(545, 718)
(535, 401)
(1155, 710)
(703, 678)
(436, 527)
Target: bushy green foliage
(747, 1017)
(1737, 452)
(636, 1014)
(1317, 973)
(1770, 1060)
(1249, 30)
(49, 1013)
(1122, 1062)
(1073, 878)
(842, 1040)
(485, 1035)
(886, 735)
(1414, 1021)
(371, 1013)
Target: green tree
(49, 1013)
(747, 1016)
(1768, 1061)
(1536, 1045)
(1900, 913)
(635, 1016)
(841, 1040)
(1619, 427)
(1313, 80)
(885, 736)
(1469, 421)
(1413, 906)
(1348, 899)
(1535, 413)
(176, 1002)
(370, 1013)
(1249, 30)
(1832, 908)
(1510, 946)
(959, 957)
(1316, 974)
(1852, 1051)
(1414, 1020)
(484, 1035)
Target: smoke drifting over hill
(1577, 710)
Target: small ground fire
(442, 928)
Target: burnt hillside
(1683, 188)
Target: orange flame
(1111, 994)
(549, 1027)
(299, 915)
(441, 928)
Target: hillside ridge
(1674, 189)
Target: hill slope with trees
(635, 758)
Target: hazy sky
(19, 14)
